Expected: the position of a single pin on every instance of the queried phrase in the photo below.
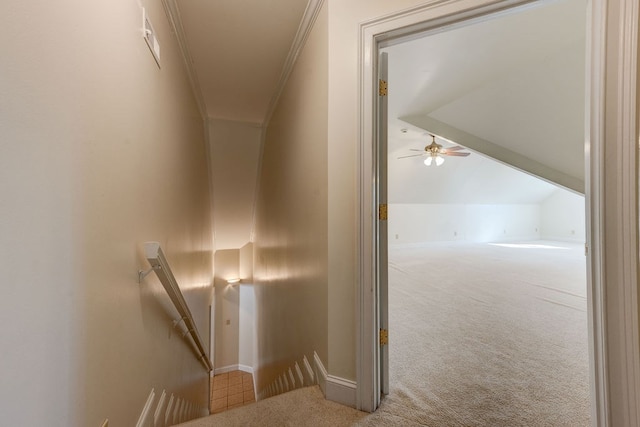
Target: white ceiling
(516, 81)
(238, 49)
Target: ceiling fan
(435, 151)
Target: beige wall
(100, 151)
(234, 317)
(291, 224)
(344, 20)
(235, 161)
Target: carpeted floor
(480, 335)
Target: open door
(381, 244)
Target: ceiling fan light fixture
(428, 161)
(439, 160)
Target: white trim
(159, 408)
(246, 368)
(304, 29)
(212, 322)
(308, 369)
(618, 207)
(231, 368)
(146, 410)
(341, 390)
(293, 380)
(321, 373)
(594, 128)
(175, 417)
(299, 372)
(167, 412)
(175, 21)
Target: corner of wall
(334, 388)
(320, 373)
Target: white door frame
(611, 196)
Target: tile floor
(231, 390)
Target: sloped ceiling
(514, 83)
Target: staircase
(303, 406)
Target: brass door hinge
(382, 212)
(384, 337)
(382, 87)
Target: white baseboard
(245, 368)
(334, 388)
(170, 411)
(563, 239)
(320, 373)
(310, 376)
(341, 391)
(299, 373)
(230, 368)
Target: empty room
(485, 173)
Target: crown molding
(304, 29)
(175, 21)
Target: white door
(382, 248)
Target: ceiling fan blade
(456, 153)
(454, 148)
(414, 149)
(411, 155)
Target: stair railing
(159, 264)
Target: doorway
(435, 15)
(496, 332)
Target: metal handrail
(159, 264)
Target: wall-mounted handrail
(159, 264)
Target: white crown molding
(306, 25)
(175, 21)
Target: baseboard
(245, 368)
(563, 239)
(170, 411)
(320, 373)
(230, 368)
(341, 391)
(310, 376)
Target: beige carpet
(302, 407)
(480, 335)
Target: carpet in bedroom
(480, 335)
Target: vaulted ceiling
(510, 87)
